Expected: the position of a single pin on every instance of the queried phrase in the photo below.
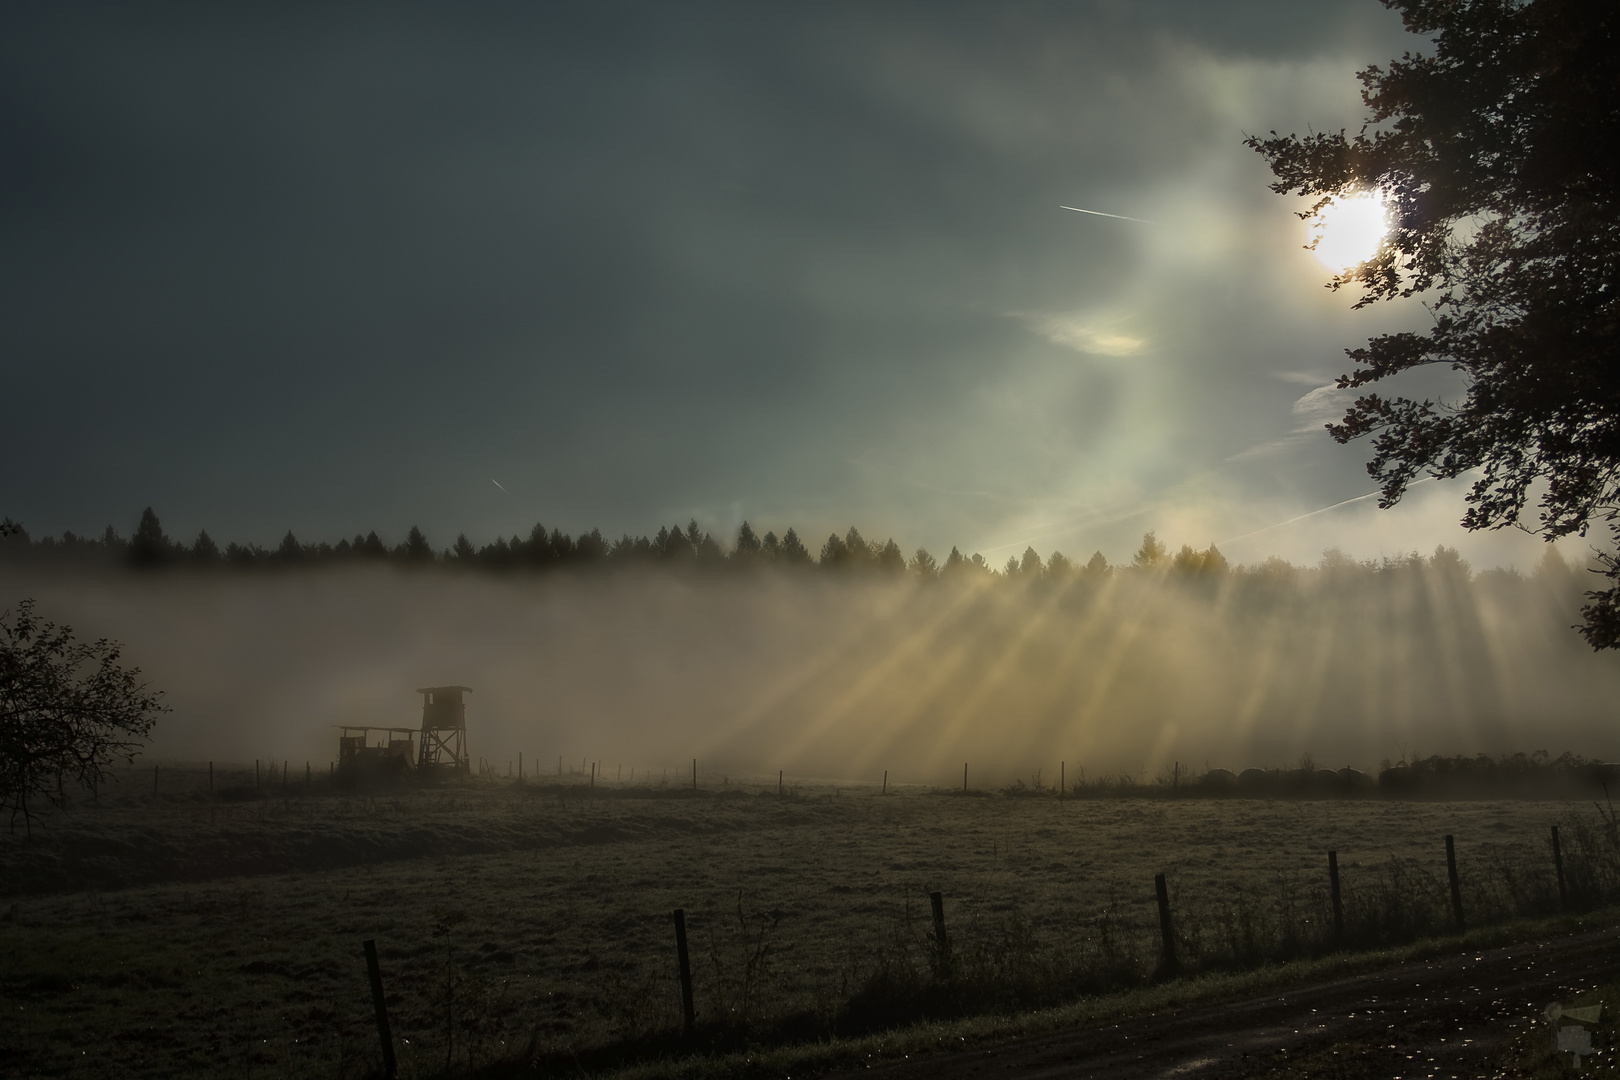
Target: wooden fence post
(1558, 865)
(941, 940)
(593, 775)
(390, 1069)
(687, 1012)
(779, 782)
(211, 779)
(1063, 778)
(885, 781)
(694, 774)
(1456, 883)
(964, 778)
(1338, 904)
(1167, 931)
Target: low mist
(844, 675)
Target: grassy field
(190, 934)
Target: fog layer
(846, 676)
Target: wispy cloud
(1321, 406)
(1082, 335)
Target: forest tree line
(150, 547)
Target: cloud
(1323, 405)
(1083, 335)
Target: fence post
(1338, 903)
(390, 1069)
(885, 781)
(1558, 865)
(1063, 778)
(964, 778)
(1167, 931)
(779, 773)
(211, 780)
(941, 939)
(687, 1012)
(154, 781)
(593, 775)
(1456, 883)
(694, 774)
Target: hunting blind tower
(443, 746)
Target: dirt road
(1447, 1017)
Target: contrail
(1099, 213)
(497, 483)
(1322, 510)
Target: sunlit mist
(846, 676)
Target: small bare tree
(68, 710)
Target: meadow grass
(521, 924)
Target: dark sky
(339, 267)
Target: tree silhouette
(794, 553)
(703, 545)
(67, 711)
(590, 546)
(1498, 155)
(150, 546)
(1150, 556)
(290, 550)
(672, 545)
(203, 549)
(416, 547)
(890, 559)
(834, 553)
(1030, 566)
(923, 565)
(748, 546)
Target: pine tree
(290, 549)
(923, 565)
(150, 546)
(794, 553)
(890, 559)
(748, 545)
(416, 546)
(203, 549)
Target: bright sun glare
(1348, 230)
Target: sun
(1349, 229)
